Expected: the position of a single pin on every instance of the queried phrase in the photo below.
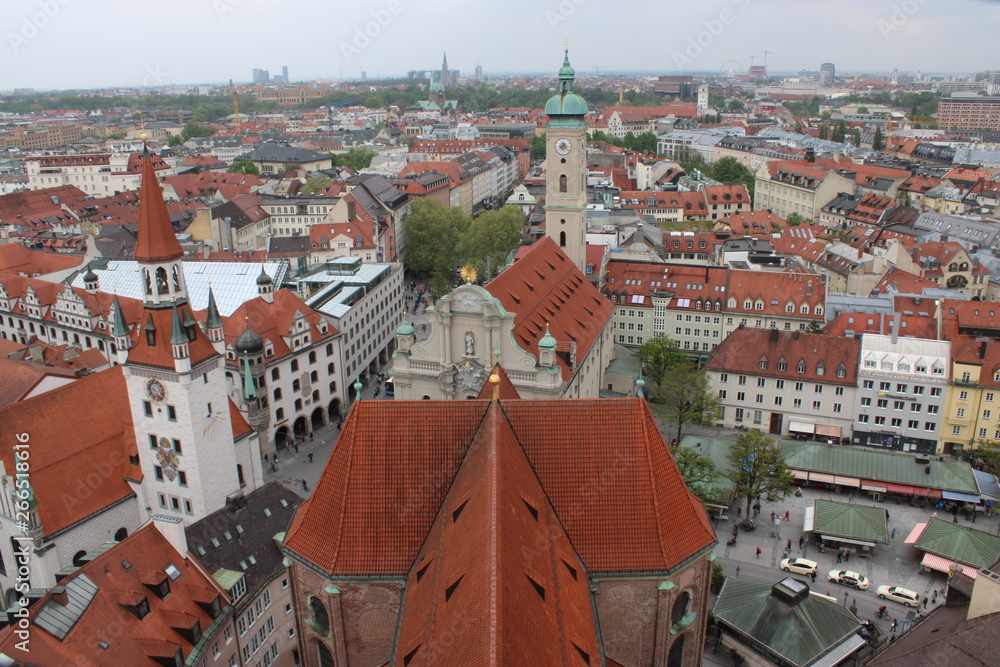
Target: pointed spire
(156, 240)
(213, 321)
(177, 336)
(249, 391)
(119, 328)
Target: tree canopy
(314, 185)
(699, 473)
(758, 468)
(356, 158)
(658, 355)
(538, 147)
(432, 235)
(489, 239)
(243, 167)
(878, 141)
(687, 397)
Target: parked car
(799, 565)
(898, 594)
(848, 578)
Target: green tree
(698, 471)
(878, 141)
(490, 238)
(243, 167)
(658, 355)
(798, 127)
(823, 131)
(986, 456)
(735, 105)
(856, 137)
(374, 102)
(538, 147)
(174, 140)
(687, 397)
(863, 110)
(356, 158)
(758, 468)
(795, 219)
(432, 236)
(314, 185)
(194, 129)
(645, 143)
(839, 132)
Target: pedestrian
(737, 571)
(847, 555)
(310, 457)
(934, 596)
(296, 446)
(739, 512)
(894, 624)
(973, 516)
(736, 531)
(801, 541)
(788, 544)
(954, 518)
(787, 515)
(925, 602)
(840, 557)
(305, 487)
(759, 552)
(892, 535)
(310, 436)
(813, 575)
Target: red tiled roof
(507, 392)
(903, 282)
(396, 460)
(106, 632)
(755, 222)
(544, 288)
(776, 291)
(726, 194)
(272, 321)
(353, 231)
(745, 349)
(500, 539)
(83, 426)
(240, 425)
(156, 240)
(15, 258)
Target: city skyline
(232, 37)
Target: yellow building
(972, 407)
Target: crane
(236, 108)
(766, 54)
(597, 69)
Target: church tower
(176, 381)
(445, 76)
(566, 179)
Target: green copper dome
(405, 328)
(548, 341)
(566, 102)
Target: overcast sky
(104, 43)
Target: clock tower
(566, 179)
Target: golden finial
(566, 43)
(495, 381)
(469, 273)
(143, 137)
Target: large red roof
(15, 258)
(156, 241)
(602, 464)
(544, 288)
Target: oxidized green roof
(227, 578)
(959, 543)
(879, 466)
(405, 328)
(859, 522)
(565, 102)
(800, 633)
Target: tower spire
(155, 241)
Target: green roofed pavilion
(959, 543)
(855, 522)
(786, 620)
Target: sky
(55, 44)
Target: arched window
(78, 558)
(161, 280)
(320, 620)
(676, 656)
(177, 278)
(325, 657)
(121, 534)
(563, 183)
(680, 608)
(562, 239)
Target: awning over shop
(845, 540)
(915, 534)
(846, 481)
(964, 497)
(840, 651)
(921, 492)
(828, 431)
(821, 477)
(933, 562)
(799, 474)
(810, 520)
(901, 489)
(869, 485)
(801, 427)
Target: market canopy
(959, 543)
(863, 523)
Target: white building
(98, 174)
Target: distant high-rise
(827, 73)
(364, 75)
(284, 74)
(261, 76)
(479, 71)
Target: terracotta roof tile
(545, 288)
(775, 347)
(15, 258)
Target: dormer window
(801, 367)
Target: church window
(149, 288)
(563, 183)
(161, 280)
(177, 279)
(562, 239)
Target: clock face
(155, 390)
(563, 146)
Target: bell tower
(566, 180)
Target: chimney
(810, 154)
(895, 328)
(60, 596)
(172, 528)
(350, 209)
(938, 314)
